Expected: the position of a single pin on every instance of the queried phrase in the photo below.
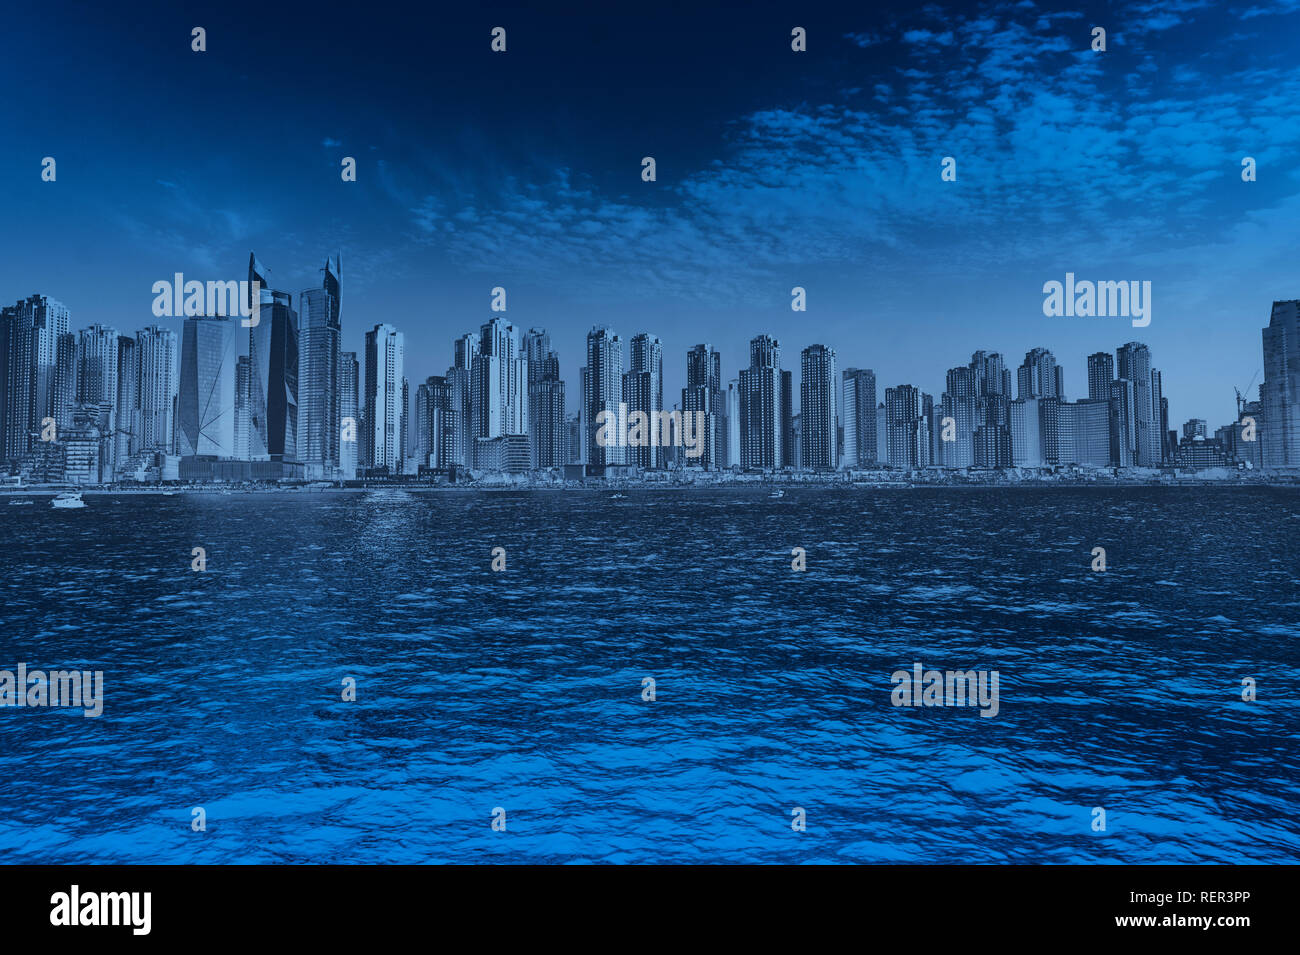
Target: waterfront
(522, 689)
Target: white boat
(68, 499)
(618, 497)
(19, 503)
(777, 493)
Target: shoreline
(766, 487)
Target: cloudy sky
(819, 169)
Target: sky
(775, 169)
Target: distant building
(818, 410)
(319, 412)
(206, 403)
(703, 395)
(1279, 392)
(763, 429)
(859, 415)
(1084, 430)
(384, 410)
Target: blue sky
(775, 169)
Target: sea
(363, 677)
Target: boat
(618, 497)
(777, 493)
(68, 499)
(19, 503)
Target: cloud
(1058, 157)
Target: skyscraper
(959, 403)
(1101, 372)
(703, 395)
(159, 383)
(1039, 376)
(547, 427)
(643, 391)
(273, 379)
(1123, 423)
(1279, 392)
(762, 428)
(318, 381)
(384, 412)
(126, 441)
(65, 380)
(908, 438)
(350, 430)
(243, 389)
(602, 392)
(818, 413)
(734, 424)
(1133, 362)
(859, 417)
(206, 403)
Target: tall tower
(206, 404)
(703, 395)
(1279, 392)
(817, 408)
(384, 411)
(603, 392)
(762, 428)
(318, 384)
(273, 373)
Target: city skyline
(512, 393)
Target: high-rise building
(908, 435)
(1279, 392)
(643, 391)
(97, 368)
(158, 364)
(126, 440)
(734, 424)
(243, 391)
(703, 395)
(1084, 431)
(859, 417)
(384, 412)
(787, 419)
(350, 429)
(1040, 376)
(1133, 362)
(65, 380)
(602, 392)
(763, 428)
(273, 378)
(206, 402)
(1123, 423)
(1027, 433)
(818, 412)
(318, 379)
(1101, 372)
(1195, 428)
(432, 407)
(959, 403)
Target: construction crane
(1242, 399)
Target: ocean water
(522, 690)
